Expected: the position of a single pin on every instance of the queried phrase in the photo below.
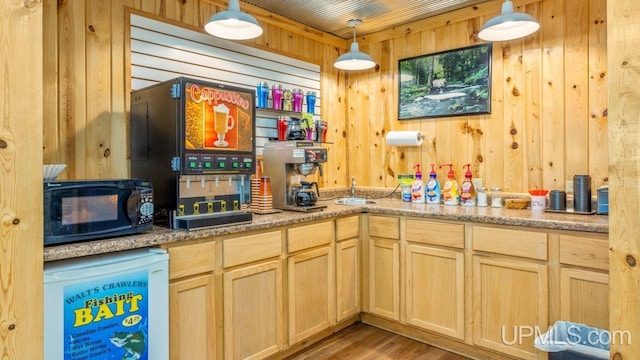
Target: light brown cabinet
(434, 277)
(384, 278)
(192, 316)
(510, 296)
(470, 287)
(384, 266)
(311, 293)
(347, 279)
(435, 289)
(253, 311)
(253, 295)
(311, 279)
(584, 297)
(584, 280)
(347, 267)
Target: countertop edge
(501, 216)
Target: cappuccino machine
(288, 163)
(196, 141)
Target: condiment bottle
(433, 188)
(496, 197)
(482, 196)
(467, 191)
(417, 189)
(450, 189)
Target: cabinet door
(347, 279)
(253, 311)
(384, 278)
(510, 299)
(192, 334)
(584, 297)
(311, 293)
(435, 290)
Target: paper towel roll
(404, 138)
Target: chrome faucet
(353, 186)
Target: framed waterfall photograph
(449, 83)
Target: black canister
(582, 193)
(557, 200)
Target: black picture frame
(449, 83)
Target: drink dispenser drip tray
(191, 222)
(212, 200)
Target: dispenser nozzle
(468, 174)
(450, 174)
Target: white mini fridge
(111, 306)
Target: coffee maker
(287, 163)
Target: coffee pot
(294, 130)
(306, 195)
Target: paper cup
(538, 203)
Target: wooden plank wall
(548, 120)
(86, 114)
(21, 277)
(624, 193)
(549, 93)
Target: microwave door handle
(132, 206)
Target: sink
(354, 201)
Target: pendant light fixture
(354, 59)
(509, 25)
(233, 24)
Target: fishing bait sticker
(107, 318)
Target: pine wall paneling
(548, 112)
(21, 138)
(90, 116)
(546, 123)
(624, 193)
(65, 82)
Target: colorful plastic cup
(262, 91)
(276, 95)
(311, 102)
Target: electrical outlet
(569, 186)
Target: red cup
(282, 128)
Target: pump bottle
(450, 190)
(433, 188)
(467, 191)
(417, 189)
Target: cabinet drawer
(526, 244)
(584, 251)
(347, 228)
(384, 227)
(436, 233)
(246, 249)
(191, 259)
(308, 236)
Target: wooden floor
(361, 341)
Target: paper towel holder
(404, 138)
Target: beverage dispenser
(196, 141)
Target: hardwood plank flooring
(364, 342)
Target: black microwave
(92, 209)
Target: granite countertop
(386, 206)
